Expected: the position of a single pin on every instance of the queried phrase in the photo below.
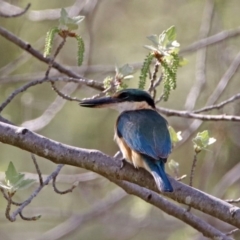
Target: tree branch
(186, 114)
(155, 199)
(214, 39)
(3, 14)
(106, 166)
(27, 47)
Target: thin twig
(12, 217)
(193, 169)
(214, 39)
(194, 163)
(218, 106)
(185, 114)
(153, 77)
(28, 48)
(201, 57)
(40, 81)
(16, 14)
(38, 169)
(50, 112)
(7, 198)
(62, 192)
(64, 96)
(34, 218)
(58, 191)
(232, 231)
(181, 178)
(75, 221)
(60, 46)
(233, 200)
(8, 208)
(224, 81)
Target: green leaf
(182, 61)
(63, 17)
(202, 140)
(175, 136)
(163, 40)
(12, 177)
(14, 180)
(153, 39)
(125, 70)
(174, 166)
(78, 19)
(72, 26)
(25, 183)
(171, 33)
(70, 23)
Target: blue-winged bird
(140, 132)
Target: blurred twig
(75, 221)
(232, 232)
(153, 85)
(27, 47)
(51, 111)
(233, 200)
(40, 81)
(201, 57)
(3, 12)
(228, 75)
(219, 105)
(186, 114)
(214, 39)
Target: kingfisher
(141, 132)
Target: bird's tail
(158, 172)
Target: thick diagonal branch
(104, 165)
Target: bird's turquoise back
(146, 132)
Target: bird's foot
(123, 163)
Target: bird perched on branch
(140, 132)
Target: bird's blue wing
(145, 131)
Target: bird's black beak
(99, 102)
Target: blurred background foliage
(114, 32)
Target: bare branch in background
(224, 81)
(40, 81)
(185, 114)
(218, 106)
(201, 57)
(52, 110)
(214, 39)
(27, 47)
(6, 10)
(53, 14)
(77, 220)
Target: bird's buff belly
(130, 155)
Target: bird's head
(124, 100)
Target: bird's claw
(123, 163)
